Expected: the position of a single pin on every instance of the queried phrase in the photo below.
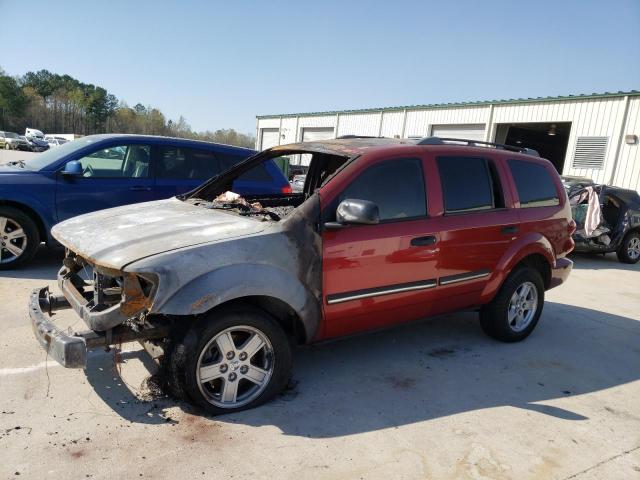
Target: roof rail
(474, 143)
(344, 137)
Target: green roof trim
(584, 96)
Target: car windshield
(11, 135)
(44, 159)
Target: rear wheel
(514, 312)
(629, 250)
(19, 238)
(230, 360)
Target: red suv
(385, 231)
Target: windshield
(44, 159)
(11, 135)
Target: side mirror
(72, 168)
(355, 212)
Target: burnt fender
(236, 281)
(528, 244)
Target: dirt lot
(435, 399)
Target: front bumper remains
(70, 348)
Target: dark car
(37, 144)
(607, 218)
(221, 290)
(103, 171)
(13, 141)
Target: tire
(12, 221)
(497, 318)
(7, 146)
(197, 353)
(629, 250)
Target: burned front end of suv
(113, 304)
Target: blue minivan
(104, 171)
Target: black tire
(625, 247)
(182, 359)
(15, 216)
(494, 317)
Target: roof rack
(474, 143)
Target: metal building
(593, 136)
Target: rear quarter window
(534, 184)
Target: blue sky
(222, 63)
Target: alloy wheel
(13, 240)
(633, 248)
(522, 306)
(235, 367)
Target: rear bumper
(560, 272)
(70, 349)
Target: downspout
(280, 130)
(623, 128)
(489, 127)
(404, 124)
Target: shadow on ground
(428, 370)
(597, 261)
(44, 265)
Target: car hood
(118, 236)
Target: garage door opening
(549, 139)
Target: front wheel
(629, 250)
(232, 359)
(19, 237)
(514, 312)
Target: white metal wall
(604, 116)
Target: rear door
(112, 176)
(475, 226)
(379, 275)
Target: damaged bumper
(69, 349)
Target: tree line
(62, 104)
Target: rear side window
(468, 184)
(258, 173)
(186, 163)
(396, 186)
(534, 184)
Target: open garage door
(465, 131)
(268, 138)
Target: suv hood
(118, 236)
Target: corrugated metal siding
(628, 169)
(600, 116)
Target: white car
(54, 141)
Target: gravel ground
(434, 399)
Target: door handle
(510, 230)
(140, 188)
(423, 241)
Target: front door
(111, 177)
(378, 275)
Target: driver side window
(396, 186)
(121, 161)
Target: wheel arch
(272, 289)
(33, 214)
(533, 250)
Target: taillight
(286, 189)
(572, 226)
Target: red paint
(376, 256)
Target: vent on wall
(590, 152)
